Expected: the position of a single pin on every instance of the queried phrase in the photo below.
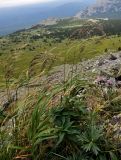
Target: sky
(10, 3)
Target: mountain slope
(103, 9)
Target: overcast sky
(9, 3)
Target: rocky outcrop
(105, 65)
(102, 9)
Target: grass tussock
(65, 122)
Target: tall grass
(65, 122)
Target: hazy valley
(15, 18)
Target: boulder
(112, 57)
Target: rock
(119, 54)
(116, 120)
(111, 82)
(118, 84)
(118, 81)
(94, 70)
(101, 80)
(100, 62)
(6, 105)
(114, 129)
(112, 57)
(118, 78)
(9, 102)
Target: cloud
(9, 3)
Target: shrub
(119, 48)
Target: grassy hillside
(66, 51)
(53, 117)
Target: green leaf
(61, 137)
(113, 156)
(95, 149)
(87, 147)
(38, 141)
(102, 157)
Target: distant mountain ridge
(102, 9)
